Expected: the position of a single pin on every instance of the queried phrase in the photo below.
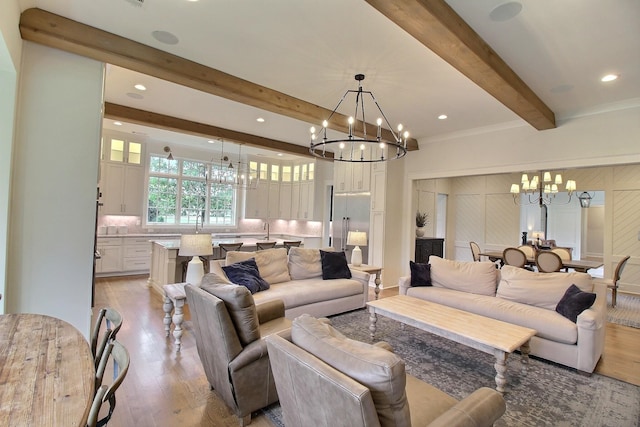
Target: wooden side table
(371, 269)
(174, 298)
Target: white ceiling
(311, 49)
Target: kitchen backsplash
(119, 224)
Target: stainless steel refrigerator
(350, 213)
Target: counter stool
(261, 246)
(226, 247)
(174, 298)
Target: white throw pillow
(467, 276)
(272, 263)
(539, 289)
(305, 263)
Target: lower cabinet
(427, 246)
(123, 256)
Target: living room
(597, 137)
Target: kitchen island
(166, 264)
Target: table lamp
(195, 245)
(357, 238)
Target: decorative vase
(419, 232)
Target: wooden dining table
(47, 372)
(581, 265)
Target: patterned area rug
(546, 394)
(627, 311)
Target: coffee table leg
(373, 318)
(377, 282)
(501, 368)
(524, 352)
(168, 308)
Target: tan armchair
(325, 380)
(229, 330)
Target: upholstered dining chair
(564, 254)
(112, 321)
(288, 244)
(261, 246)
(475, 251)
(229, 330)
(228, 247)
(548, 262)
(515, 257)
(121, 360)
(613, 282)
(528, 250)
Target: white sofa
(296, 279)
(524, 298)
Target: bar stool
(228, 247)
(288, 244)
(265, 245)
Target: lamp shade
(357, 238)
(195, 245)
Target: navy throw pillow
(575, 302)
(334, 265)
(246, 273)
(420, 274)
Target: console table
(427, 246)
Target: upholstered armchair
(325, 380)
(229, 330)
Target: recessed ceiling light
(505, 11)
(211, 141)
(442, 117)
(117, 123)
(140, 87)
(165, 37)
(260, 120)
(280, 154)
(609, 78)
(134, 95)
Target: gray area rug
(627, 311)
(546, 394)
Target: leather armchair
(314, 392)
(229, 330)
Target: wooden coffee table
(482, 333)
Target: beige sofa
(296, 279)
(524, 298)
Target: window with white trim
(180, 192)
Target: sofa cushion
(241, 308)
(381, 371)
(467, 276)
(420, 274)
(305, 263)
(246, 273)
(334, 265)
(272, 263)
(575, 302)
(539, 289)
(548, 324)
(296, 293)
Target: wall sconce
(585, 199)
(167, 149)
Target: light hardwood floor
(167, 389)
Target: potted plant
(422, 219)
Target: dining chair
(564, 254)
(288, 244)
(613, 282)
(92, 419)
(121, 360)
(548, 262)
(528, 250)
(515, 257)
(475, 251)
(228, 247)
(112, 321)
(261, 246)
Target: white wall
(54, 180)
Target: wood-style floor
(166, 389)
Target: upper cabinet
(121, 177)
(352, 177)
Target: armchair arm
(251, 353)
(270, 310)
(481, 408)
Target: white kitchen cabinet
(257, 201)
(378, 188)
(122, 189)
(136, 254)
(285, 200)
(120, 150)
(295, 200)
(110, 250)
(352, 177)
(274, 200)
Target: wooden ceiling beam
(55, 31)
(437, 26)
(174, 124)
